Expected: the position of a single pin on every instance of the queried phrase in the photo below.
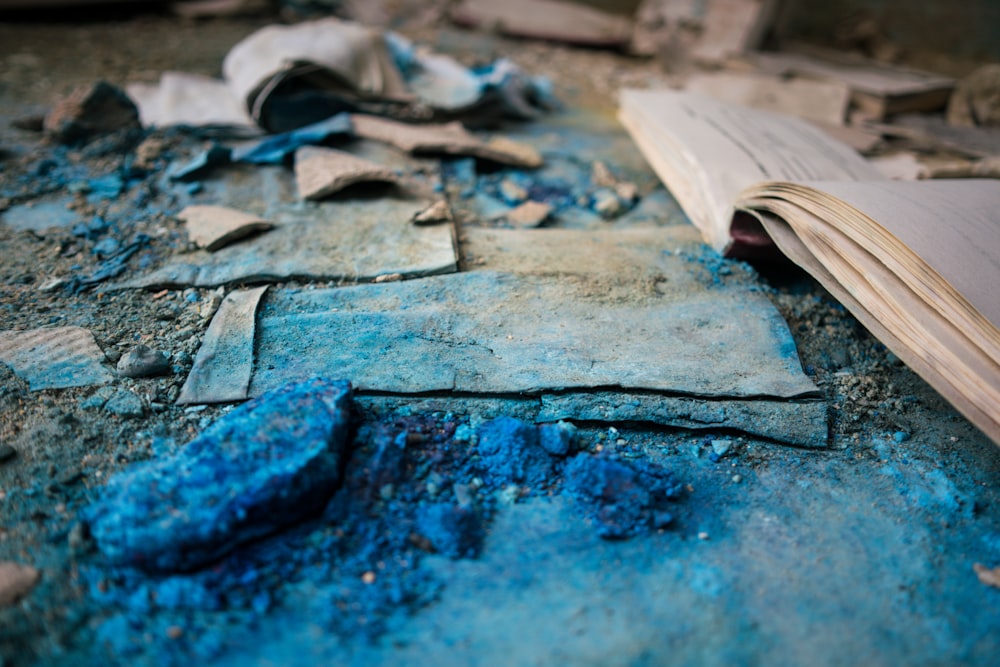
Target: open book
(918, 263)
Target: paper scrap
(448, 139)
(214, 227)
(54, 358)
(227, 347)
(321, 172)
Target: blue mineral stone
(269, 463)
(557, 439)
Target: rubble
(88, 111)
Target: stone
(721, 447)
(557, 439)
(529, 214)
(215, 227)
(16, 581)
(265, 465)
(90, 110)
(436, 213)
(511, 192)
(606, 203)
(142, 361)
(125, 404)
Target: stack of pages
(918, 263)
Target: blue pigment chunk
(452, 530)
(267, 464)
(623, 499)
(510, 451)
(557, 439)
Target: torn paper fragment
(320, 172)
(190, 99)
(214, 227)
(228, 347)
(55, 358)
(448, 139)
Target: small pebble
(463, 494)
(510, 494)
(606, 203)
(511, 192)
(175, 632)
(368, 577)
(737, 479)
(16, 581)
(142, 361)
(529, 214)
(7, 453)
(900, 436)
(125, 404)
(210, 305)
(702, 536)
(722, 447)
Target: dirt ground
(881, 414)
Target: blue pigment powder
(622, 498)
(350, 556)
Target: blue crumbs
(623, 499)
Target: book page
(706, 152)
(961, 383)
(952, 225)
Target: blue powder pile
(410, 486)
(511, 452)
(452, 530)
(622, 499)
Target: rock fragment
(436, 213)
(557, 439)
(529, 214)
(987, 576)
(125, 404)
(447, 139)
(142, 361)
(88, 111)
(268, 463)
(16, 581)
